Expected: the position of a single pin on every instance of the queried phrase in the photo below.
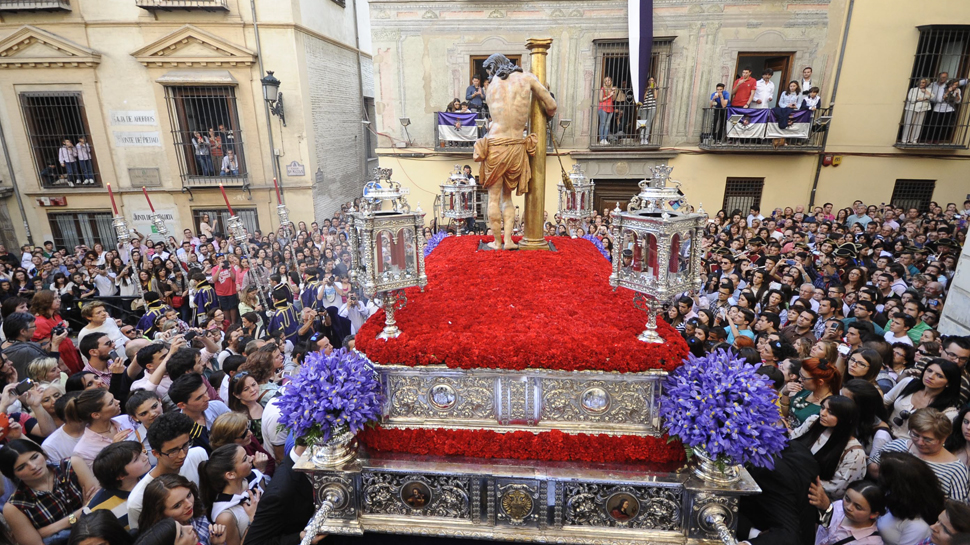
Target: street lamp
(273, 96)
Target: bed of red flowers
(518, 310)
(523, 445)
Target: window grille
(248, 216)
(88, 228)
(913, 194)
(52, 119)
(629, 125)
(742, 193)
(205, 129)
(940, 116)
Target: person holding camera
(18, 328)
(355, 311)
(224, 280)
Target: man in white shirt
(104, 283)
(806, 83)
(755, 214)
(355, 311)
(764, 91)
(272, 436)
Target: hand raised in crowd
(251, 502)
(116, 366)
(817, 495)
(57, 339)
(260, 460)
(217, 534)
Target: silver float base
(528, 501)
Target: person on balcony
(806, 83)
(67, 155)
(917, 104)
(605, 109)
(811, 102)
(648, 110)
(474, 94)
(84, 161)
(230, 164)
(203, 156)
(764, 91)
(743, 90)
(719, 103)
(942, 116)
(788, 103)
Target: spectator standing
(474, 94)
(118, 468)
(917, 105)
(743, 90)
(647, 111)
(604, 110)
(719, 101)
(764, 92)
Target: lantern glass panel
(634, 263)
(650, 255)
(683, 260)
(674, 266)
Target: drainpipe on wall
(13, 183)
(835, 89)
(269, 120)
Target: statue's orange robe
(506, 159)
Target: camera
(903, 417)
(189, 335)
(24, 385)
(58, 330)
(225, 264)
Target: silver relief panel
(535, 400)
(415, 495)
(621, 506)
(518, 503)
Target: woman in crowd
(864, 364)
(824, 349)
(244, 398)
(958, 443)
(856, 279)
(871, 428)
(226, 480)
(264, 366)
(46, 306)
(928, 430)
(174, 497)
(853, 516)
(101, 414)
(99, 527)
(937, 387)
(817, 380)
(85, 380)
(235, 427)
(29, 511)
(913, 499)
(829, 435)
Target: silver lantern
(577, 203)
(458, 198)
(657, 250)
(387, 246)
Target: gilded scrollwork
(622, 506)
(415, 495)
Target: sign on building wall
(137, 139)
(144, 177)
(133, 117)
(142, 221)
(295, 169)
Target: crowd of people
(138, 382)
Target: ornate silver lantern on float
(656, 250)
(387, 246)
(458, 198)
(576, 203)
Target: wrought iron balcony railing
(34, 5)
(722, 131)
(168, 5)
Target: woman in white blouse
(938, 387)
(829, 435)
(917, 104)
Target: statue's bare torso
(509, 102)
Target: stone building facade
(138, 79)
(425, 54)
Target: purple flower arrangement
(331, 393)
(434, 241)
(720, 405)
(599, 245)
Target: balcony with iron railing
(630, 125)
(457, 132)
(169, 5)
(745, 130)
(34, 5)
(939, 126)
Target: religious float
(517, 396)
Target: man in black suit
(781, 513)
(286, 506)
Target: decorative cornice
(69, 54)
(163, 53)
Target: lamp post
(576, 204)
(458, 198)
(386, 246)
(657, 250)
(273, 96)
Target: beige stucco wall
(116, 29)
